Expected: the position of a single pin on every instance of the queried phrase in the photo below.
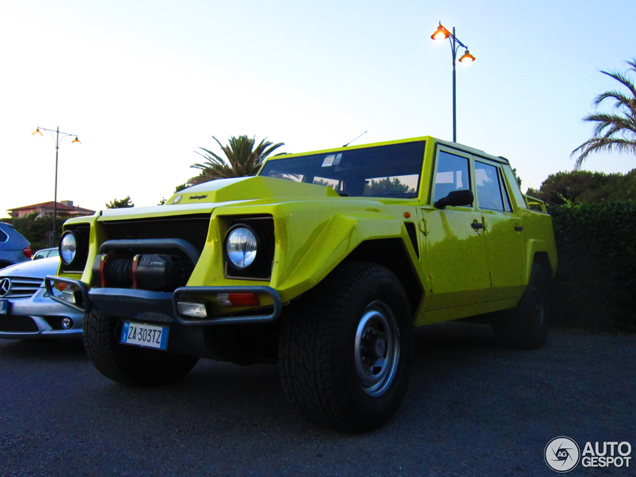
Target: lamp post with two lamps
(58, 137)
(442, 34)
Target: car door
(503, 231)
(455, 245)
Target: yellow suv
(322, 263)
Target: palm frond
(612, 132)
(622, 100)
(603, 144)
(614, 122)
(622, 79)
(242, 158)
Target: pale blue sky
(146, 83)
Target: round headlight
(68, 248)
(241, 246)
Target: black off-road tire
(346, 349)
(128, 364)
(526, 327)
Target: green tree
(243, 157)
(179, 188)
(517, 178)
(613, 131)
(583, 187)
(120, 204)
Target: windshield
(382, 171)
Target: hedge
(595, 285)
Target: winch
(157, 272)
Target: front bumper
(38, 317)
(162, 307)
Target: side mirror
(456, 198)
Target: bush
(596, 278)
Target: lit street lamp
(58, 137)
(442, 34)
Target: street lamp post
(58, 137)
(442, 34)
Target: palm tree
(613, 131)
(242, 158)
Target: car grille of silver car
(18, 287)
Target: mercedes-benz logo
(5, 286)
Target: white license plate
(149, 336)
(4, 307)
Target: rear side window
(452, 174)
(3, 237)
(491, 194)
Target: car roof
(16, 239)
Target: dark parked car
(14, 248)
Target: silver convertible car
(26, 311)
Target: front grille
(192, 228)
(22, 287)
(17, 323)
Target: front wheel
(346, 349)
(128, 364)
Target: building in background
(65, 208)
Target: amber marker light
(239, 299)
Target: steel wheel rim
(377, 348)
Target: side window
(452, 174)
(490, 193)
(3, 237)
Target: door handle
(477, 225)
(518, 228)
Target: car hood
(249, 188)
(205, 197)
(32, 268)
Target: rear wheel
(128, 364)
(526, 327)
(346, 348)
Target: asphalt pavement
(473, 409)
